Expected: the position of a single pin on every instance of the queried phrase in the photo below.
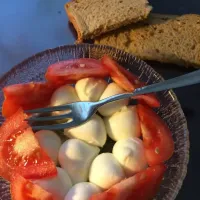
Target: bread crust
(75, 24)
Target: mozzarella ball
(106, 171)
(58, 186)
(92, 132)
(90, 89)
(130, 154)
(75, 157)
(63, 95)
(82, 191)
(123, 124)
(50, 142)
(110, 108)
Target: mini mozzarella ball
(92, 132)
(50, 142)
(90, 89)
(123, 124)
(75, 157)
(58, 186)
(110, 108)
(82, 191)
(63, 95)
(106, 171)
(130, 154)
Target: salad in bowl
(70, 164)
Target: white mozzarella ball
(82, 191)
(90, 89)
(63, 95)
(58, 186)
(50, 142)
(106, 171)
(75, 157)
(92, 132)
(130, 154)
(123, 124)
(111, 108)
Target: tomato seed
(157, 150)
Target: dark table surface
(28, 27)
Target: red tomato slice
(148, 99)
(22, 189)
(130, 76)
(70, 71)
(20, 151)
(142, 186)
(116, 73)
(9, 108)
(128, 81)
(158, 141)
(28, 96)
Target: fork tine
(50, 118)
(50, 109)
(56, 126)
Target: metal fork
(81, 112)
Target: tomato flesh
(20, 151)
(128, 81)
(142, 186)
(22, 189)
(157, 137)
(70, 71)
(27, 95)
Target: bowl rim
(121, 52)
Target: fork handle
(180, 81)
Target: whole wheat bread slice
(173, 41)
(94, 17)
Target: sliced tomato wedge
(22, 189)
(70, 71)
(142, 186)
(157, 137)
(27, 95)
(128, 81)
(9, 108)
(20, 151)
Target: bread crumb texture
(94, 17)
(173, 41)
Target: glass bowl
(33, 69)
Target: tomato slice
(20, 151)
(28, 96)
(22, 189)
(9, 108)
(142, 186)
(70, 71)
(158, 141)
(128, 81)
(116, 73)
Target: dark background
(31, 26)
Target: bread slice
(173, 41)
(94, 17)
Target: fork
(80, 112)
